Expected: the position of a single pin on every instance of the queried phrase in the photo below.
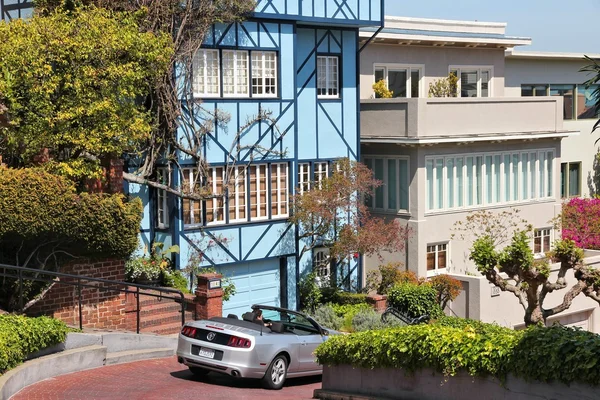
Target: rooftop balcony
(439, 120)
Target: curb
(82, 351)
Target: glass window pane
(460, 181)
(478, 180)
(429, 172)
(542, 175)
(489, 180)
(514, 176)
(391, 185)
(586, 101)
(533, 175)
(441, 259)
(450, 181)
(574, 179)
(397, 82)
(439, 183)
(485, 83)
(379, 75)
(540, 90)
(523, 176)
(379, 177)
(550, 184)
(414, 83)
(468, 84)
(566, 91)
(526, 90)
(470, 181)
(404, 185)
(497, 178)
(431, 261)
(506, 193)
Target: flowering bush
(581, 222)
(150, 267)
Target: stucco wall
(435, 60)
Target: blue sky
(553, 25)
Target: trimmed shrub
(326, 316)
(365, 320)
(478, 326)
(415, 300)
(21, 336)
(350, 298)
(347, 313)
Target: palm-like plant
(594, 68)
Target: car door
(308, 338)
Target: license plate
(208, 353)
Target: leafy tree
(501, 252)
(332, 214)
(594, 68)
(71, 83)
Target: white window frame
(322, 265)
(331, 83)
(238, 190)
(254, 172)
(535, 171)
(303, 177)
(568, 195)
(201, 57)
(474, 68)
(213, 203)
(283, 204)
(549, 235)
(239, 80)
(398, 67)
(437, 248)
(321, 171)
(263, 68)
(385, 181)
(195, 220)
(162, 209)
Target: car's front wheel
(276, 373)
(199, 372)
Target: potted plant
(150, 268)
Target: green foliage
(227, 284)
(39, 207)
(484, 254)
(75, 83)
(557, 354)
(325, 315)
(381, 90)
(566, 251)
(348, 311)
(415, 300)
(444, 87)
(176, 280)
(153, 266)
(517, 255)
(386, 276)
(21, 336)
(310, 292)
(366, 319)
(350, 298)
(478, 326)
(442, 348)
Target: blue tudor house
(295, 59)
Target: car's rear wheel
(276, 373)
(199, 372)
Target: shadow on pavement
(217, 379)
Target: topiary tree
(512, 266)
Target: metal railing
(21, 275)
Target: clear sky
(553, 25)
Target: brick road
(161, 378)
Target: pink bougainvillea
(581, 222)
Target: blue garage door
(256, 282)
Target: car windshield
(289, 319)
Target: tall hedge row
(37, 207)
(538, 353)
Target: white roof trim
(447, 39)
(468, 139)
(547, 54)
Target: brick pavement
(158, 379)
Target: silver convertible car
(280, 345)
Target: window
(475, 180)
(321, 264)
(534, 90)
(437, 257)
(578, 101)
(192, 209)
(215, 208)
(566, 91)
(205, 80)
(162, 211)
(392, 195)
(321, 172)
(586, 100)
(328, 76)
(264, 74)
(473, 81)
(237, 195)
(570, 179)
(279, 190)
(235, 73)
(258, 192)
(541, 241)
(402, 80)
(303, 177)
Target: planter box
(429, 385)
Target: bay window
(393, 172)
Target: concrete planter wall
(429, 385)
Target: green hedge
(21, 336)
(38, 206)
(414, 299)
(543, 354)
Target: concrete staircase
(83, 351)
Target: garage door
(255, 282)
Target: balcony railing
(453, 118)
